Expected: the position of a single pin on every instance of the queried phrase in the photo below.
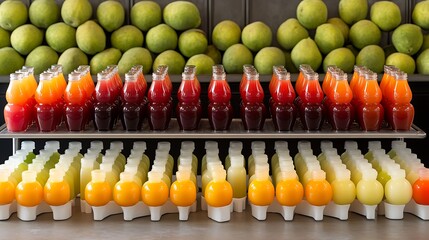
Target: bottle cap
(161, 154)
(234, 152)
(280, 145)
(261, 158)
(318, 175)
(117, 145)
(28, 145)
(136, 152)
(188, 145)
(140, 145)
(164, 146)
(133, 160)
(325, 144)
(236, 145)
(185, 153)
(4, 175)
(75, 145)
(29, 176)
(212, 155)
(258, 151)
(210, 145)
(258, 144)
(54, 145)
(373, 145)
(237, 160)
(97, 145)
(350, 145)
(304, 145)
(398, 144)
(283, 153)
(98, 175)
(71, 152)
(126, 177)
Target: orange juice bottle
(385, 80)
(289, 191)
(16, 113)
(155, 191)
(341, 113)
(60, 79)
(56, 191)
(218, 192)
(126, 192)
(46, 97)
(318, 191)
(75, 99)
(183, 192)
(400, 112)
(370, 112)
(29, 192)
(261, 189)
(7, 188)
(98, 192)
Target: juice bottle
(59, 85)
(301, 81)
(89, 88)
(247, 68)
(30, 85)
(188, 110)
(155, 191)
(7, 188)
(318, 191)
(283, 111)
(29, 192)
(98, 192)
(389, 71)
(16, 112)
(87, 166)
(183, 192)
(220, 110)
(421, 187)
(261, 189)
(398, 191)
(142, 84)
(212, 147)
(132, 95)
(56, 191)
(343, 189)
(253, 108)
(159, 107)
(236, 176)
(370, 111)
(369, 191)
(104, 97)
(218, 192)
(46, 97)
(188, 148)
(207, 175)
(116, 83)
(126, 192)
(311, 110)
(235, 149)
(75, 99)
(400, 111)
(340, 110)
(289, 191)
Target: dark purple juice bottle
(159, 96)
(253, 109)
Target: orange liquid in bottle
(183, 192)
(318, 191)
(56, 191)
(98, 192)
(218, 191)
(126, 192)
(29, 192)
(289, 192)
(155, 191)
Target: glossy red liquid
(16, 117)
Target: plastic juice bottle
(155, 191)
(61, 80)
(208, 146)
(111, 176)
(98, 191)
(389, 85)
(104, 97)
(183, 192)
(30, 80)
(343, 189)
(340, 110)
(400, 111)
(397, 146)
(398, 191)
(87, 166)
(126, 192)
(163, 71)
(328, 81)
(311, 110)
(188, 110)
(207, 175)
(232, 152)
(29, 84)
(88, 85)
(162, 169)
(259, 159)
(138, 175)
(29, 192)
(56, 191)
(236, 176)
(301, 81)
(261, 190)
(218, 192)
(132, 95)
(7, 188)
(421, 187)
(75, 98)
(369, 191)
(247, 68)
(370, 111)
(283, 111)
(253, 108)
(16, 112)
(289, 191)
(311, 165)
(285, 164)
(318, 191)
(220, 111)
(68, 177)
(159, 108)
(189, 147)
(257, 147)
(279, 146)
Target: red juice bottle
(311, 109)
(283, 111)
(104, 98)
(132, 97)
(46, 97)
(117, 84)
(75, 99)
(159, 97)
(400, 110)
(16, 112)
(220, 110)
(89, 88)
(370, 111)
(247, 68)
(142, 84)
(341, 112)
(253, 108)
(301, 82)
(188, 109)
(327, 86)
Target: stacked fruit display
(79, 33)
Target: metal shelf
(204, 132)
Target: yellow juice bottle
(189, 146)
(235, 148)
(398, 190)
(210, 146)
(318, 191)
(192, 177)
(372, 146)
(396, 146)
(218, 192)
(29, 192)
(56, 191)
(155, 191)
(261, 189)
(207, 176)
(161, 167)
(236, 176)
(183, 192)
(166, 146)
(369, 191)
(343, 189)
(87, 165)
(289, 191)
(126, 192)
(133, 170)
(118, 146)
